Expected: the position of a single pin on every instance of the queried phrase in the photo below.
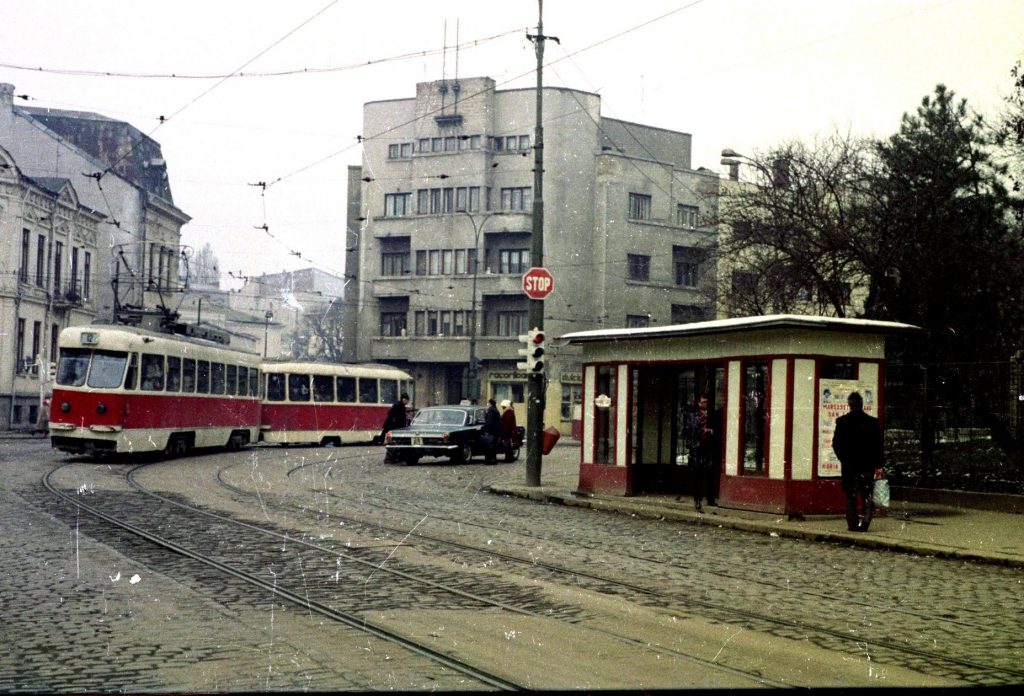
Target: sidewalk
(922, 528)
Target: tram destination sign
(538, 283)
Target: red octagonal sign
(538, 283)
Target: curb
(650, 510)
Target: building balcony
(442, 349)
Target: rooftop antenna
(456, 87)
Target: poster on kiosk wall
(832, 395)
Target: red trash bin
(551, 436)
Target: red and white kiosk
(775, 385)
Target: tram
(308, 402)
(122, 389)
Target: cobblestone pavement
(102, 633)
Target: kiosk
(775, 385)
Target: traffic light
(533, 351)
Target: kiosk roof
(738, 324)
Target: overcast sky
(741, 74)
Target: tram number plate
(417, 442)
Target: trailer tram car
(307, 402)
(122, 389)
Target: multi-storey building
(440, 234)
(47, 257)
(119, 171)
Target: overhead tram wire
(247, 75)
(164, 119)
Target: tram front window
(107, 369)
(74, 364)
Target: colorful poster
(832, 395)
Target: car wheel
(512, 455)
(463, 455)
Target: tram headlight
(65, 407)
(101, 408)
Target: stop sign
(538, 283)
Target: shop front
(774, 386)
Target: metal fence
(955, 425)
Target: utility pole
(535, 396)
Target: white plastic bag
(880, 494)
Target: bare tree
(793, 227)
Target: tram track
(855, 644)
(374, 565)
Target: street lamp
(266, 329)
(472, 389)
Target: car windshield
(440, 416)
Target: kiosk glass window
(755, 414)
(604, 416)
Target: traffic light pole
(535, 397)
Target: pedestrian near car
(491, 431)
(508, 426)
(397, 417)
(857, 442)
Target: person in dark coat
(858, 444)
(702, 441)
(397, 417)
(491, 431)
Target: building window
(424, 145)
(86, 273)
(684, 314)
(19, 347)
(686, 216)
(397, 204)
(26, 241)
(639, 206)
(400, 151)
(686, 263)
(513, 260)
(638, 267)
(41, 262)
(638, 321)
(392, 323)
(516, 198)
(37, 339)
(58, 253)
(394, 264)
(513, 323)
(572, 397)
(73, 289)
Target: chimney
(6, 97)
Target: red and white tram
(307, 402)
(121, 389)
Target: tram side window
(389, 391)
(275, 386)
(323, 388)
(216, 378)
(243, 381)
(298, 387)
(347, 390)
(368, 390)
(232, 386)
(173, 374)
(152, 372)
(131, 377)
(74, 363)
(188, 375)
(254, 382)
(203, 377)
